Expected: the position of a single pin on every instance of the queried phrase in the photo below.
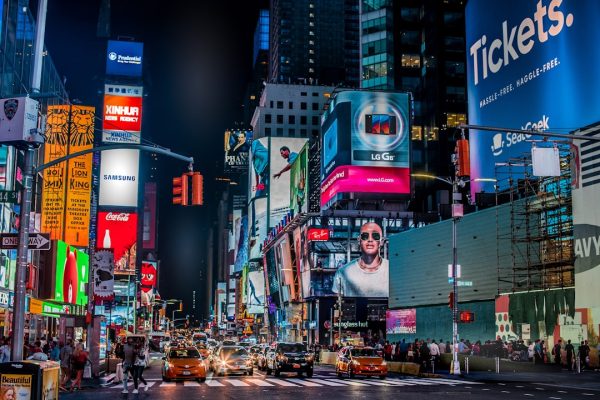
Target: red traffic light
(180, 190)
(451, 300)
(466, 316)
(197, 188)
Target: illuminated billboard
(241, 242)
(72, 268)
(118, 231)
(259, 168)
(257, 220)
(299, 183)
(530, 65)
(283, 152)
(255, 291)
(124, 58)
(148, 282)
(401, 321)
(150, 214)
(122, 115)
(366, 128)
(367, 275)
(237, 149)
(119, 178)
(67, 186)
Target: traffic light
(180, 190)
(463, 162)
(181, 306)
(197, 188)
(466, 316)
(451, 300)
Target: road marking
(554, 398)
(454, 381)
(371, 382)
(259, 382)
(214, 383)
(353, 383)
(502, 384)
(519, 386)
(527, 394)
(150, 384)
(303, 382)
(190, 383)
(236, 382)
(281, 382)
(328, 382)
(417, 382)
(167, 384)
(439, 382)
(587, 394)
(561, 391)
(398, 382)
(505, 391)
(540, 389)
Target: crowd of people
(134, 362)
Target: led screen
(72, 268)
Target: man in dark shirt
(570, 350)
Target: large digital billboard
(257, 221)
(365, 128)
(299, 183)
(118, 231)
(259, 168)
(401, 321)
(122, 116)
(124, 58)
(237, 147)
(119, 170)
(150, 215)
(67, 186)
(367, 275)
(530, 65)
(255, 291)
(283, 152)
(72, 268)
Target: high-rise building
(418, 46)
(260, 66)
(314, 41)
(290, 110)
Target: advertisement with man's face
(299, 182)
(368, 275)
(237, 148)
(259, 168)
(283, 151)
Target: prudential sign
(124, 58)
(530, 65)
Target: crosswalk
(308, 382)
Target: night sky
(197, 62)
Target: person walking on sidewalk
(138, 368)
(128, 356)
(556, 352)
(66, 353)
(570, 351)
(79, 359)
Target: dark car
(290, 357)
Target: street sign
(9, 196)
(37, 241)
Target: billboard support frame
(530, 132)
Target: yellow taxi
(183, 363)
(360, 361)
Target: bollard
(467, 365)
(578, 362)
(497, 365)
(433, 365)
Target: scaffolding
(535, 227)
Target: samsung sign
(530, 65)
(119, 178)
(124, 58)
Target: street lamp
(457, 213)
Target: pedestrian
(138, 368)
(397, 352)
(583, 355)
(5, 351)
(66, 353)
(442, 346)
(538, 355)
(434, 351)
(556, 350)
(79, 359)
(544, 351)
(570, 351)
(128, 362)
(410, 354)
(403, 350)
(387, 351)
(55, 352)
(530, 351)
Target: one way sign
(37, 241)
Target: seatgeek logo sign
(124, 58)
(531, 65)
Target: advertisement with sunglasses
(368, 275)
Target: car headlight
(309, 358)
(170, 366)
(355, 363)
(282, 359)
(383, 364)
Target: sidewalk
(588, 380)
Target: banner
(118, 231)
(150, 211)
(16, 386)
(66, 194)
(104, 278)
(237, 147)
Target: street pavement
(325, 385)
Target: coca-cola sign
(318, 234)
(123, 217)
(118, 231)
